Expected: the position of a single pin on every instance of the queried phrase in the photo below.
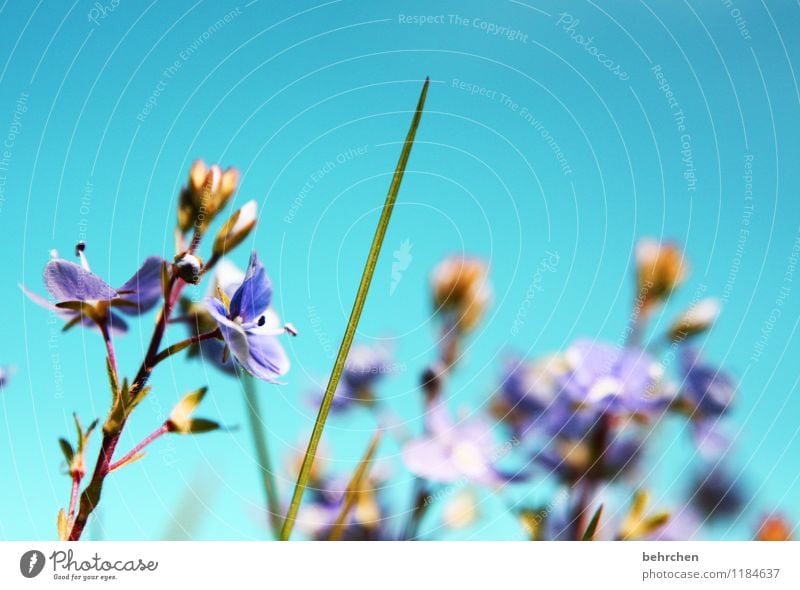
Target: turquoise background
(284, 88)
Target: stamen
(290, 329)
(261, 321)
(80, 247)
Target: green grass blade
(352, 324)
(353, 487)
(592, 528)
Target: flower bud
(695, 320)
(205, 195)
(188, 267)
(236, 229)
(461, 291)
(660, 269)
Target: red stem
(163, 429)
(73, 499)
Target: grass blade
(352, 324)
(592, 528)
(353, 486)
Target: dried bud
(695, 320)
(188, 267)
(461, 291)
(181, 420)
(236, 229)
(660, 269)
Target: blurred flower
(528, 390)
(205, 195)
(695, 320)
(774, 528)
(364, 522)
(83, 297)
(461, 291)
(450, 452)
(660, 269)
(365, 366)
(249, 327)
(706, 388)
(461, 511)
(607, 378)
(715, 492)
(5, 375)
(188, 267)
(580, 458)
(683, 525)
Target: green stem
(352, 324)
(262, 452)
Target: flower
(83, 297)
(660, 269)
(227, 278)
(528, 390)
(6, 374)
(716, 493)
(249, 327)
(205, 195)
(365, 366)
(450, 452)
(461, 291)
(604, 377)
(706, 389)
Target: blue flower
(705, 387)
(364, 367)
(614, 379)
(249, 327)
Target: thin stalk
(161, 430)
(179, 346)
(354, 486)
(73, 499)
(262, 452)
(352, 324)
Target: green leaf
(201, 425)
(67, 449)
(355, 316)
(112, 379)
(592, 528)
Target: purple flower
(365, 366)
(83, 297)
(716, 493)
(605, 377)
(450, 452)
(250, 328)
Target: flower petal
(266, 360)
(144, 287)
(67, 281)
(253, 297)
(429, 458)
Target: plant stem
(262, 452)
(112, 356)
(73, 499)
(352, 324)
(179, 346)
(91, 494)
(163, 429)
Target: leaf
(201, 425)
(355, 316)
(592, 528)
(180, 418)
(165, 283)
(67, 449)
(62, 525)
